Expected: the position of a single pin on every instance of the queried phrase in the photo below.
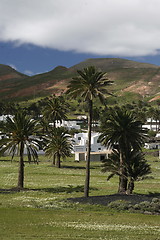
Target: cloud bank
(102, 27)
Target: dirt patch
(61, 85)
(34, 90)
(9, 76)
(140, 87)
(154, 99)
(4, 90)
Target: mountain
(140, 79)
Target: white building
(151, 124)
(98, 151)
(69, 124)
(3, 117)
(154, 143)
(158, 136)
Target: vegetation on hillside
(142, 79)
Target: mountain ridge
(128, 76)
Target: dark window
(102, 157)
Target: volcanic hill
(142, 79)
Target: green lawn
(42, 212)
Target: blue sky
(36, 36)
(31, 59)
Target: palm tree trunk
(131, 186)
(87, 179)
(58, 160)
(122, 179)
(21, 167)
(54, 160)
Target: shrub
(152, 207)
(120, 205)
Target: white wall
(81, 143)
(68, 124)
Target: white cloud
(28, 72)
(12, 66)
(115, 27)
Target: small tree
(20, 135)
(58, 144)
(136, 167)
(55, 109)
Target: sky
(37, 35)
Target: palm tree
(88, 85)
(34, 110)
(157, 118)
(20, 135)
(150, 113)
(58, 144)
(95, 117)
(136, 167)
(121, 128)
(55, 109)
(112, 164)
(140, 114)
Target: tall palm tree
(95, 117)
(122, 128)
(55, 109)
(20, 135)
(88, 85)
(58, 144)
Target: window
(102, 157)
(79, 138)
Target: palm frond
(89, 84)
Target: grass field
(42, 211)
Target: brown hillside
(128, 76)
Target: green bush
(120, 205)
(152, 207)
